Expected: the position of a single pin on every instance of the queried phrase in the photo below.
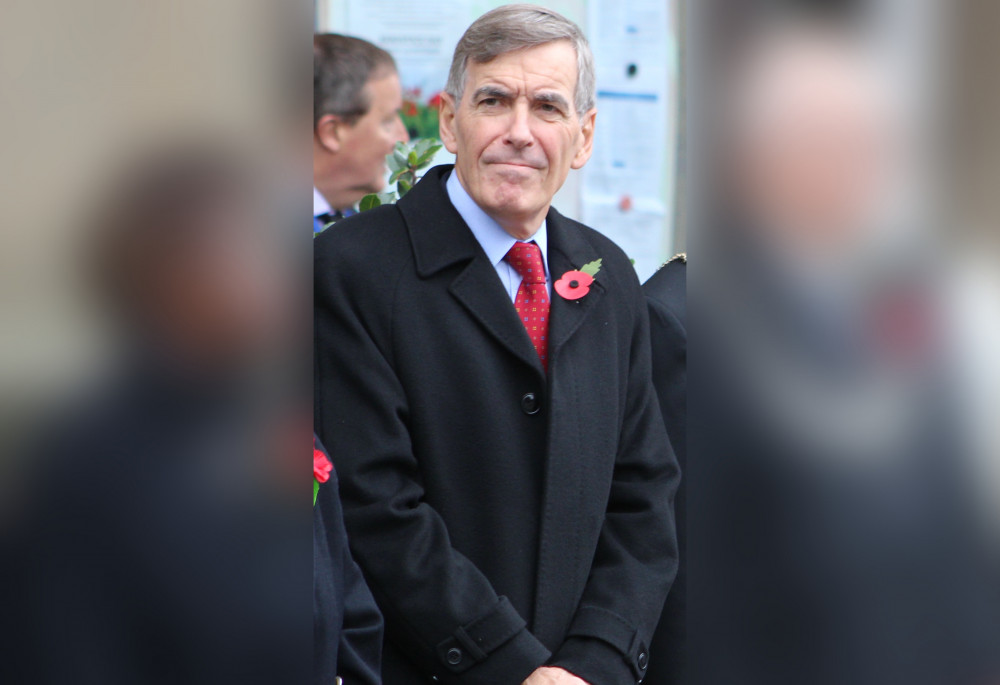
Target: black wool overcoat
(504, 518)
(666, 292)
(347, 625)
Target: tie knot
(526, 258)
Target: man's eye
(489, 102)
(549, 108)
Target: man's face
(516, 133)
(360, 148)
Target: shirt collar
(495, 241)
(320, 205)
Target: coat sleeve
(636, 557)
(669, 344)
(440, 610)
(359, 657)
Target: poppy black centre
(574, 284)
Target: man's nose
(519, 132)
(402, 135)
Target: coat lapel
(568, 250)
(440, 239)
(481, 292)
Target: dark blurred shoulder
(666, 290)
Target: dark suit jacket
(504, 519)
(666, 293)
(347, 626)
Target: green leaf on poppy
(315, 490)
(591, 268)
(370, 201)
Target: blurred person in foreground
(829, 532)
(506, 476)
(356, 123)
(168, 534)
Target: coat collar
(438, 233)
(440, 239)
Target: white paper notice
(627, 185)
(421, 36)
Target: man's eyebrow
(551, 97)
(491, 91)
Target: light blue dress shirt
(495, 241)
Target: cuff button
(454, 656)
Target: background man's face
(516, 133)
(365, 144)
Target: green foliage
(421, 119)
(404, 162)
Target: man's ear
(446, 122)
(587, 148)
(330, 132)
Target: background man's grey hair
(516, 27)
(342, 67)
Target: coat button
(643, 661)
(454, 656)
(530, 404)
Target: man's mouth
(522, 165)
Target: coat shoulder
(366, 246)
(666, 290)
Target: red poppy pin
(321, 470)
(575, 284)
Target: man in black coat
(666, 293)
(507, 481)
(347, 626)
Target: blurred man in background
(356, 123)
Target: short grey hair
(516, 27)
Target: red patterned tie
(532, 301)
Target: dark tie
(328, 218)
(532, 301)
